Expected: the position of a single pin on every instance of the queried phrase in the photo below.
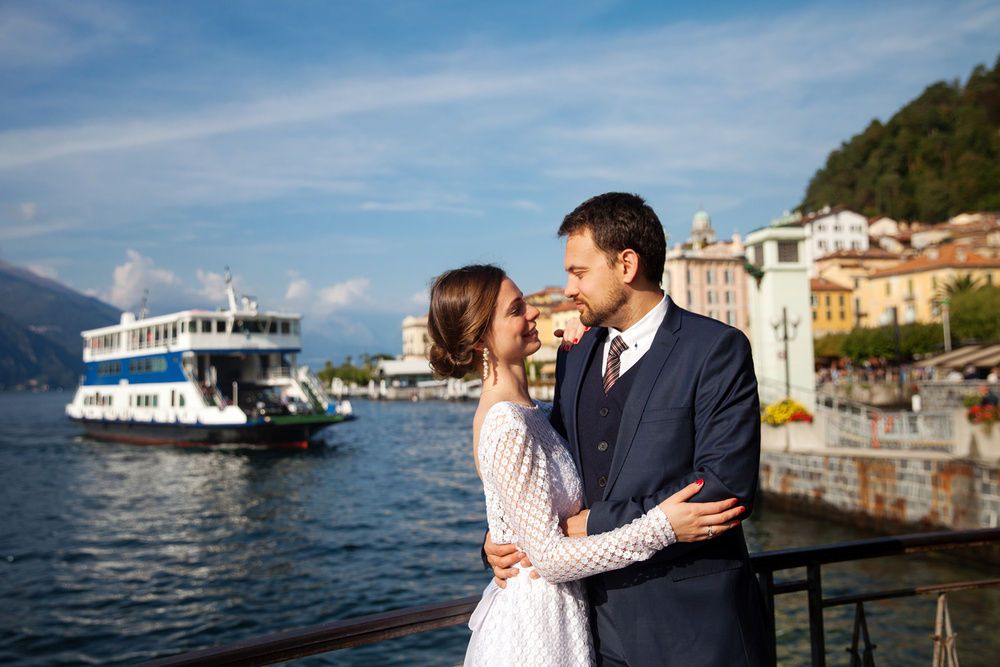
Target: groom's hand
(502, 558)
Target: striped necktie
(614, 362)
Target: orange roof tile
(824, 285)
(941, 257)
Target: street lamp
(781, 333)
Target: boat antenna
(142, 308)
(230, 292)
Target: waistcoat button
(602, 446)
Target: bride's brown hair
(462, 305)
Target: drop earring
(486, 359)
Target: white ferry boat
(202, 377)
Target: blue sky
(338, 155)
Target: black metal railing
(300, 643)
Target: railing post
(815, 592)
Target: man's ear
(629, 264)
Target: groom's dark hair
(619, 221)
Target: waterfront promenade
(886, 470)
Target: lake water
(113, 554)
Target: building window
(829, 316)
(815, 316)
(709, 276)
(758, 254)
(711, 297)
(690, 300)
(842, 318)
(841, 299)
(729, 276)
(814, 300)
(788, 251)
(828, 300)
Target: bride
(480, 323)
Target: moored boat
(201, 377)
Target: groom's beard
(598, 313)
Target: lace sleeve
(517, 471)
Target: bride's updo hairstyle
(462, 304)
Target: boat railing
(313, 388)
(300, 643)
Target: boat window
(182, 400)
(295, 328)
(206, 326)
(273, 328)
(285, 327)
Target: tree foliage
(937, 157)
(974, 317)
(348, 372)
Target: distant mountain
(936, 157)
(40, 325)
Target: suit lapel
(575, 372)
(648, 373)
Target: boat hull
(289, 432)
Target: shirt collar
(641, 333)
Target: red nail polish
(700, 482)
(576, 340)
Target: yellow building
(914, 287)
(831, 307)
(547, 301)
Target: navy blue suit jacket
(692, 413)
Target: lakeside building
(829, 230)
(548, 301)
(915, 287)
(831, 307)
(850, 268)
(416, 341)
(707, 276)
(780, 314)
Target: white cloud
(213, 286)
(44, 271)
(343, 295)
(137, 275)
(421, 298)
(325, 301)
(27, 211)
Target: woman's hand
(694, 522)
(572, 334)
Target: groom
(682, 406)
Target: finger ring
(710, 533)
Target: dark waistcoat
(598, 418)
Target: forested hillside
(938, 156)
(40, 325)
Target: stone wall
(884, 489)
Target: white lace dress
(531, 483)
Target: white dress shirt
(639, 338)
